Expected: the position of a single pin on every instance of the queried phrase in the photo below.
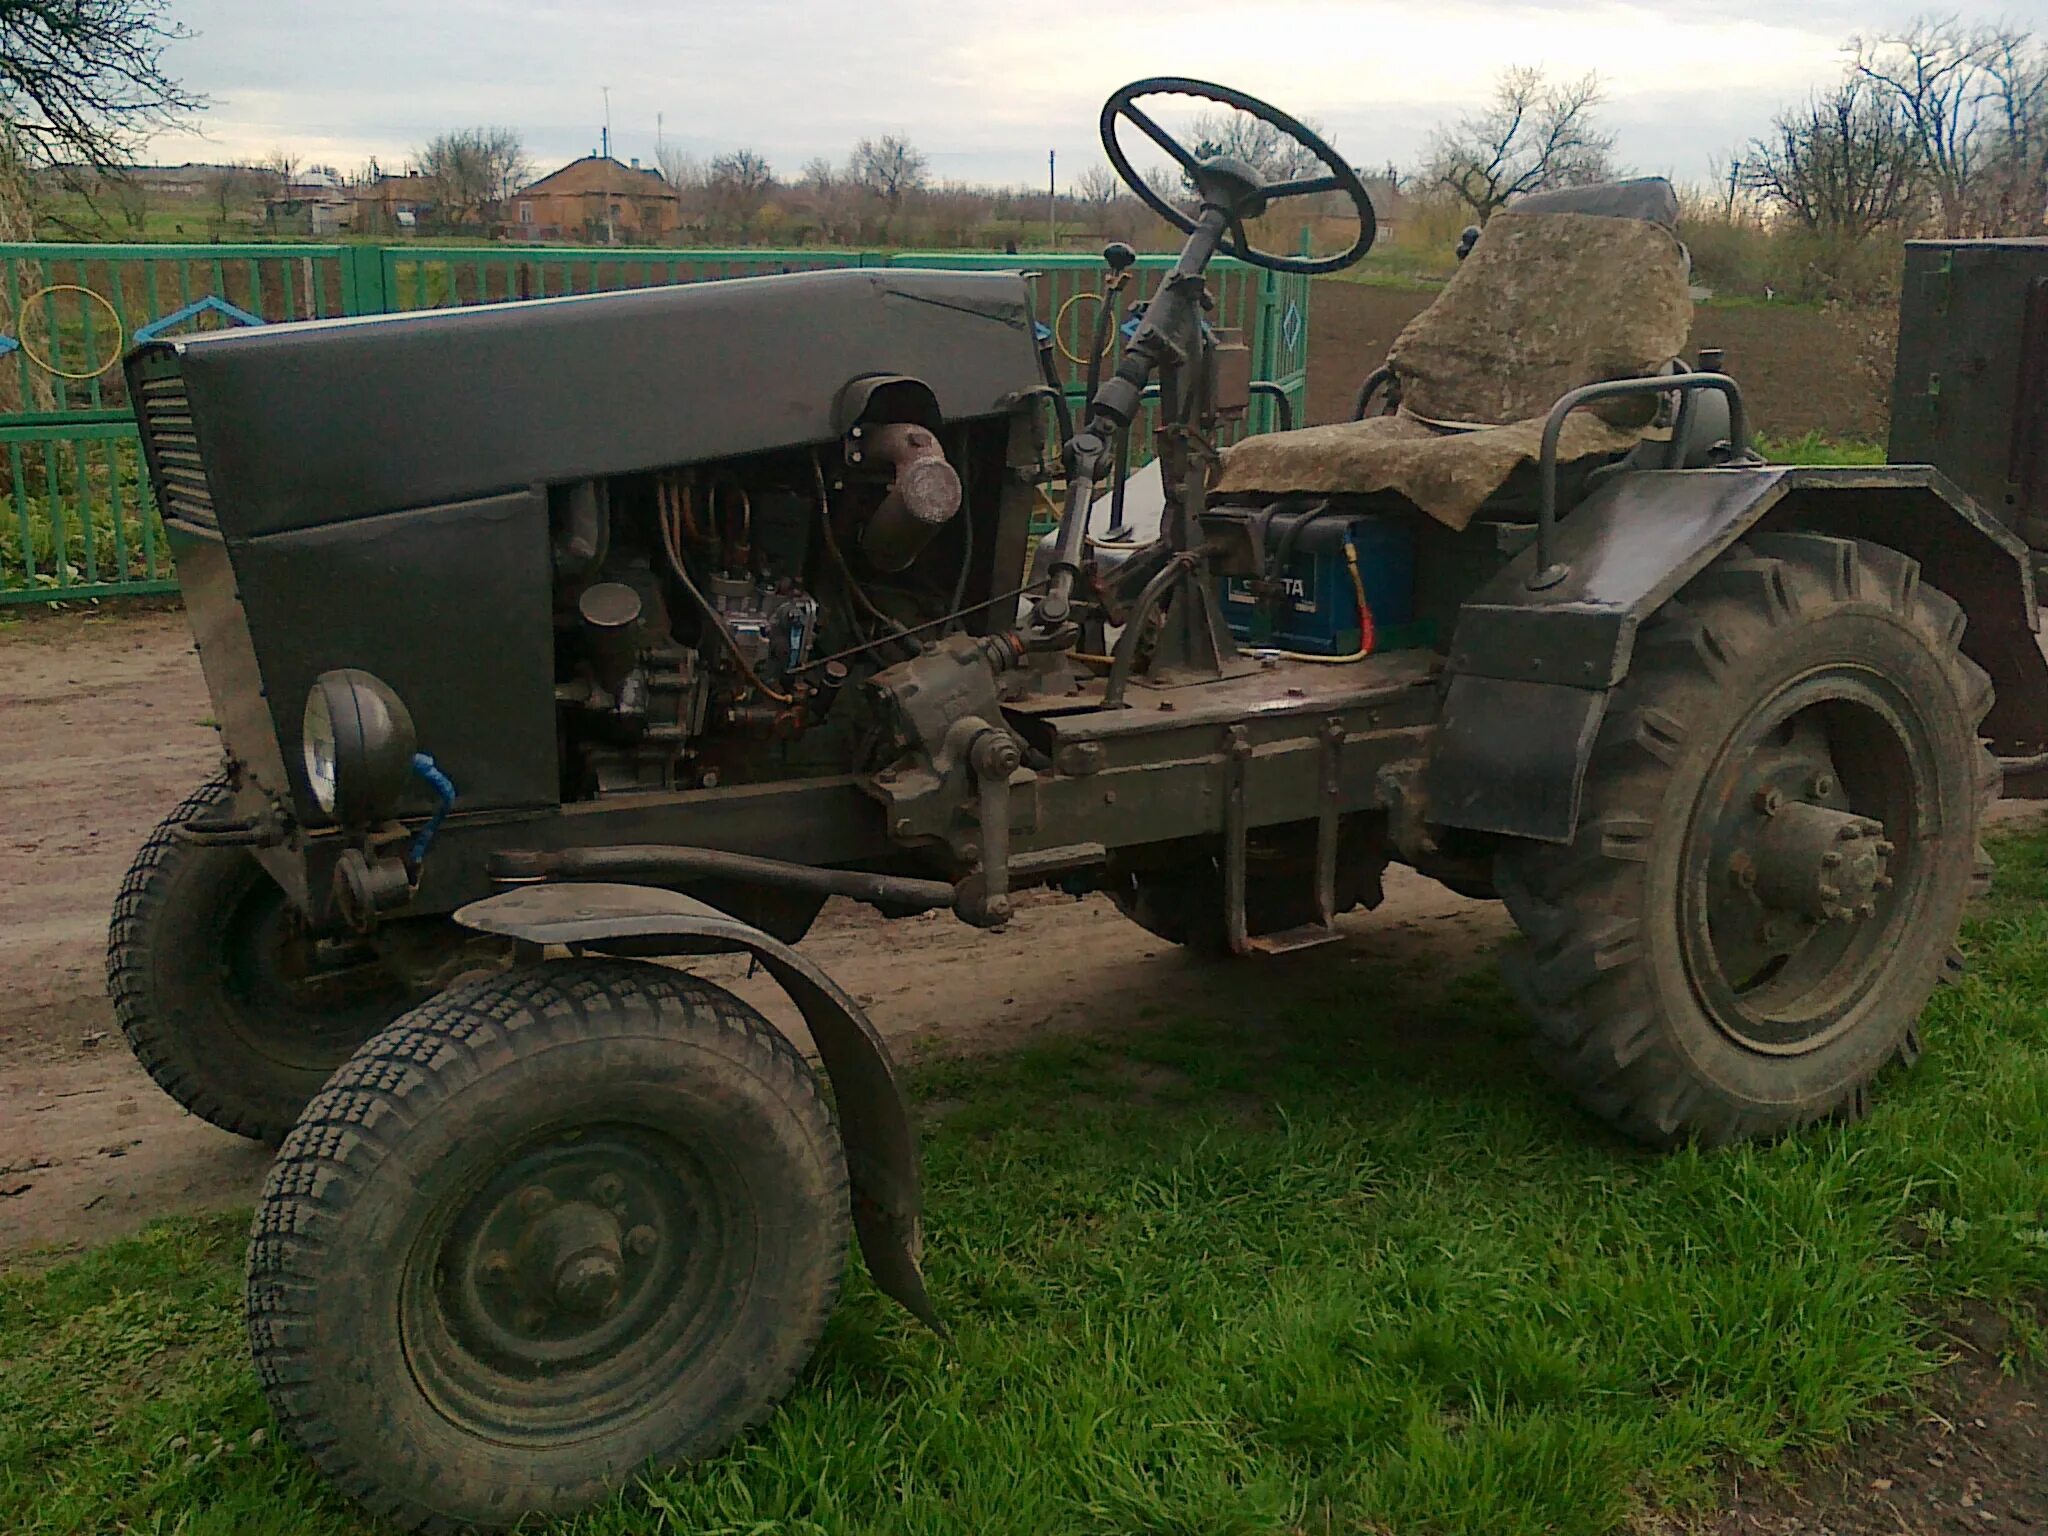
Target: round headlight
(318, 737)
(358, 744)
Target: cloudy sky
(984, 87)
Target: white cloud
(985, 88)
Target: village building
(599, 200)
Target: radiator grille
(181, 486)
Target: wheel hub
(1818, 863)
(562, 1261)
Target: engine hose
(670, 534)
(1367, 638)
(444, 802)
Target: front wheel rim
(562, 1291)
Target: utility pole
(611, 229)
(1052, 224)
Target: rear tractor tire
(216, 992)
(548, 1229)
(1776, 841)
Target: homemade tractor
(550, 638)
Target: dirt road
(103, 726)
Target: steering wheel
(1251, 199)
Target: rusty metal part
(667, 866)
(924, 494)
(1820, 863)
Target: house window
(526, 213)
(615, 210)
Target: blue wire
(444, 794)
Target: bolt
(1868, 909)
(535, 1201)
(1829, 892)
(1743, 871)
(1849, 834)
(1885, 850)
(588, 1284)
(970, 851)
(532, 1320)
(1769, 801)
(496, 1268)
(903, 826)
(1297, 693)
(1882, 883)
(999, 909)
(606, 1188)
(1831, 860)
(642, 1240)
(1823, 785)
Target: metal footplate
(1236, 834)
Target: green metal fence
(76, 516)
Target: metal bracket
(1327, 821)
(1237, 754)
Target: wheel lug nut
(496, 1268)
(1769, 801)
(535, 1201)
(606, 1188)
(1824, 785)
(1831, 860)
(641, 1240)
(1885, 850)
(1849, 834)
(1882, 883)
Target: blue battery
(1317, 610)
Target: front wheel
(547, 1229)
(1777, 838)
(219, 992)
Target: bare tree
(889, 169)
(1276, 156)
(472, 171)
(1933, 73)
(2013, 195)
(83, 80)
(1534, 135)
(1096, 190)
(228, 190)
(680, 169)
(738, 188)
(1845, 165)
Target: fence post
(1266, 357)
(362, 280)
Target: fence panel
(76, 515)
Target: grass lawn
(1347, 1266)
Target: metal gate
(76, 516)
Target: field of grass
(1337, 1262)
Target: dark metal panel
(1956, 393)
(874, 1116)
(227, 655)
(310, 423)
(1630, 545)
(1509, 757)
(400, 595)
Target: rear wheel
(218, 992)
(547, 1229)
(1777, 839)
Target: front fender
(874, 1116)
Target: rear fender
(874, 1117)
(1530, 671)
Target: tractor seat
(1562, 290)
